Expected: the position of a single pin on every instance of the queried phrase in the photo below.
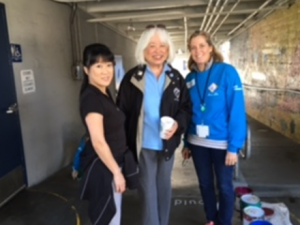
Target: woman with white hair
(148, 92)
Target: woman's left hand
(231, 159)
(170, 133)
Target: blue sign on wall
(16, 52)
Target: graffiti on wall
(268, 56)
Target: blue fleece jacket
(224, 102)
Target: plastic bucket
(239, 192)
(260, 222)
(250, 200)
(269, 213)
(252, 213)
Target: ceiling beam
(74, 1)
(139, 5)
(137, 16)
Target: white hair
(145, 40)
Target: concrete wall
(268, 55)
(50, 121)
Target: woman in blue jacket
(218, 127)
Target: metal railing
(244, 153)
(247, 86)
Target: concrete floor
(55, 201)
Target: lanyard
(202, 98)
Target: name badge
(202, 131)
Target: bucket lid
(260, 222)
(250, 199)
(254, 211)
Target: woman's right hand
(119, 182)
(186, 153)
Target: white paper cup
(166, 123)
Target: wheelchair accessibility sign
(16, 52)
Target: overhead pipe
(210, 18)
(225, 18)
(250, 16)
(78, 40)
(271, 10)
(145, 18)
(75, 43)
(72, 32)
(139, 5)
(185, 34)
(218, 15)
(205, 14)
(237, 12)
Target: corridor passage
(272, 173)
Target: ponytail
(85, 83)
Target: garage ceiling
(224, 19)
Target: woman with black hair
(105, 161)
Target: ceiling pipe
(279, 6)
(250, 16)
(205, 14)
(145, 17)
(237, 12)
(185, 33)
(139, 5)
(217, 17)
(210, 18)
(227, 15)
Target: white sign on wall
(28, 83)
(119, 70)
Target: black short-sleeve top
(94, 101)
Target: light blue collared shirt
(154, 89)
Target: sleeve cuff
(232, 149)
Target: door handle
(12, 109)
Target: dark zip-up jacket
(175, 103)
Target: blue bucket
(260, 222)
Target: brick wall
(268, 55)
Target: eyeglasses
(151, 26)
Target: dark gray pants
(155, 187)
